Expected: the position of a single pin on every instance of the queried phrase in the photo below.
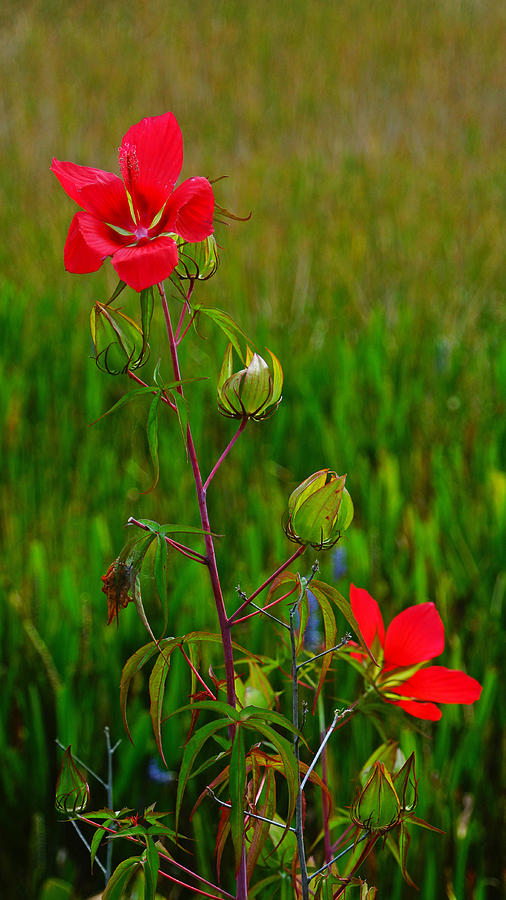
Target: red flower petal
(368, 615)
(420, 710)
(441, 685)
(100, 193)
(189, 211)
(415, 635)
(151, 156)
(145, 265)
(88, 243)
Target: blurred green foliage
(366, 139)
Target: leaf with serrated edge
(285, 751)
(261, 829)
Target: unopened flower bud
(198, 260)
(254, 392)
(377, 806)
(319, 509)
(120, 344)
(406, 785)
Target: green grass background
(367, 139)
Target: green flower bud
(377, 806)
(319, 509)
(406, 785)
(198, 260)
(253, 392)
(120, 344)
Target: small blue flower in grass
(339, 563)
(156, 773)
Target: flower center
(141, 235)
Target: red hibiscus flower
(413, 637)
(136, 221)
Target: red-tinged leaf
(157, 681)
(330, 629)
(290, 770)
(286, 578)
(221, 837)
(133, 665)
(72, 791)
(152, 435)
(261, 829)
(237, 784)
(414, 820)
(190, 753)
(216, 706)
(345, 608)
(120, 878)
(151, 867)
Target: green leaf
(160, 568)
(290, 771)
(126, 398)
(96, 839)
(174, 529)
(147, 301)
(157, 378)
(231, 329)
(133, 665)
(120, 878)
(330, 629)
(72, 791)
(157, 681)
(151, 867)
(190, 753)
(182, 416)
(152, 433)
(237, 779)
(345, 608)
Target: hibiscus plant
(247, 747)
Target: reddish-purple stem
(225, 453)
(225, 628)
(299, 551)
(197, 675)
(154, 391)
(204, 518)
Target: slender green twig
(339, 855)
(345, 640)
(250, 814)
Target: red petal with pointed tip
(100, 193)
(415, 635)
(151, 157)
(189, 211)
(441, 685)
(368, 615)
(88, 243)
(420, 710)
(148, 264)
